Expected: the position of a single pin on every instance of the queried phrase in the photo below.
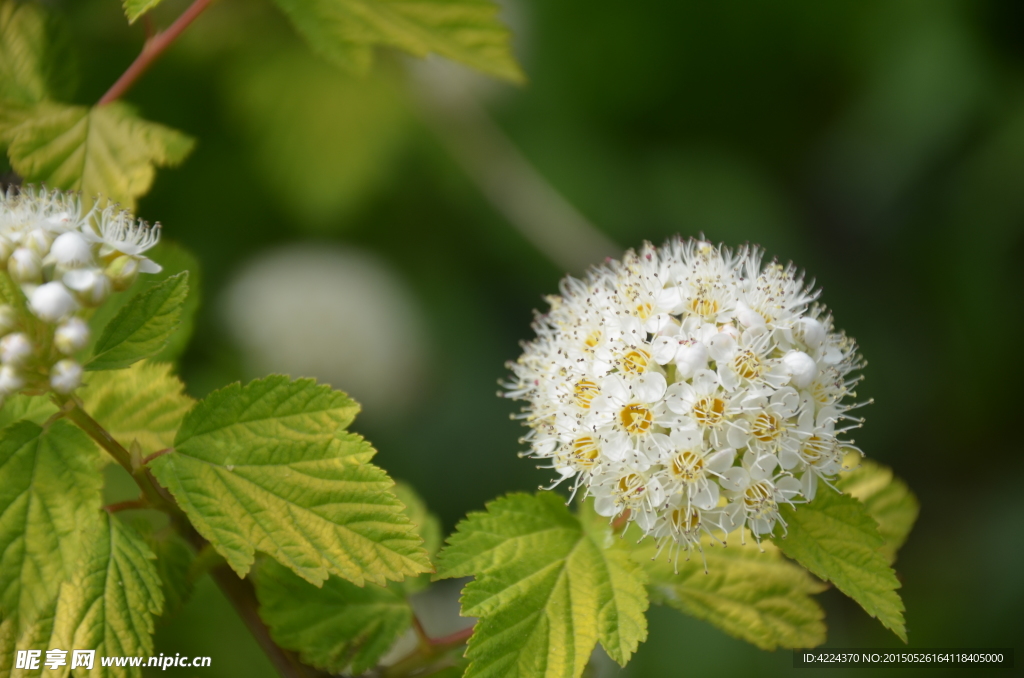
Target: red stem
(453, 638)
(153, 48)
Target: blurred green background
(376, 233)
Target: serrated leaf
(761, 598)
(143, 327)
(174, 259)
(133, 9)
(268, 466)
(32, 408)
(50, 493)
(111, 602)
(36, 62)
(836, 539)
(174, 558)
(339, 627)
(547, 588)
(145, 403)
(103, 151)
(888, 500)
(427, 526)
(346, 31)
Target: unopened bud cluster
(690, 389)
(61, 262)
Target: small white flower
(16, 349)
(120, 233)
(65, 376)
(11, 380)
(90, 284)
(72, 336)
(52, 302)
(801, 368)
(70, 250)
(25, 266)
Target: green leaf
(143, 327)
(427, 526)
(269, 467)
(338, 628)
(103, 151)
(836, 539)
(174, 558)
(547, 588)
(50, 494)
(888, 500)
(761, 598)
(345, 31)
(145, 403)
(36, 60)
(111, 602)
(133, 9)
(174, 259)
(33, 408)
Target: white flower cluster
(689, 389)
(64, 261)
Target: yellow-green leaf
(547, 588)
(103, 151)
(761, 598)
(345, 31)
(36, 63)
(145, 403)
(270, 467)
(133, 9)
(835, 538)
(888, 500)
(337, 627)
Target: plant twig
(139, 503)
(151, 50)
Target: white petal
(605, 506)
(147, 265)
(664, 349)
(810, 485)
(788, 487)
(735, 479)
(788, 458)
(721, 347)
(650, 387)
(707, 498)
(721, 460)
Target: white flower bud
(8, 319)
(91, 285)
(52, 302)
(72, 336)
(691, 357)
(25, 266)
(6, 248)
(15, 349)
(123, 271)
(747, 316)
(810, 332)
(38, 240)
(801, 368)
(11, 380)
(70, 250)
(66, 376)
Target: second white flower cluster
(689, 389)
(64, 261)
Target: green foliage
(888, 500)
(35, 60)
(174, 559)
(101, 151)
(144, 403)
(337, 627)
(836, 539)
(429, 529)
(143, 327)
(174, 259)
(547, 588)
(269, 466)
(345, 31)
(33, 408)
(50, 496)
(113, 598)
(133, 9)
(761, 598)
